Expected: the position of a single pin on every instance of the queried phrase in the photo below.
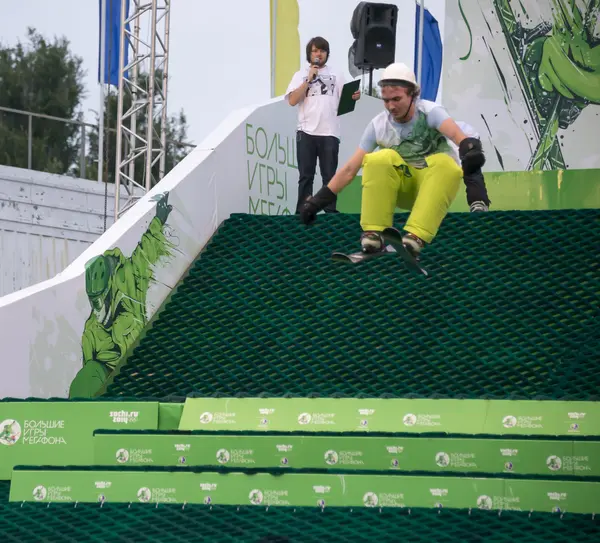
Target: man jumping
(415, 167)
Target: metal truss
(142, 96)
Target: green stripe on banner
(61, 433)
(302, 490)
(528, 191)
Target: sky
(214, 67)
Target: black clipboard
(347, 104)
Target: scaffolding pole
(142, 100)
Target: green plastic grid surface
(510, 311)
(32, 523)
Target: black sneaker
(478, 207)
(372, 242)
(414, 244)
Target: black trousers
(308, 149)
(476, 189)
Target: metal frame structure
(151, 55)
(30, 115)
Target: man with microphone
(316, 90)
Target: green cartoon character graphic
(558, 67)
(223, 456)
(116, 287)
(10, 432)
(39, 493)
(6, 434)
(370, 499)
(570, 63)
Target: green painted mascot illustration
(558, 65)
(570, 63)
(116, 287)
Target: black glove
(471, 155)
(163, 208)
(313, 204)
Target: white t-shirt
(317, 112)
(415, 139)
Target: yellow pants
(388, 182)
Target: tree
(375, 91)
(176, 134)
(46, 77)
(41, 77)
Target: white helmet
(398, 71)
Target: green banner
(385, 491)
(61, 433)
(527, 457)
(496, 417)
(560, 496)
(526, 190)
(302, 490)
(333, 415)
(169, 415)
(530, 417)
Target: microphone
(317, 63)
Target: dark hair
(413, 90)
(319, 43)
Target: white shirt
(417, 138)
(317, 112)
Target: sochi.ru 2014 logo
(10, 432)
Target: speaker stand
(370, 80)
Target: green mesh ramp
(511, 310)
(31, 522)
(198, 523)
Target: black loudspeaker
(373, 27)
